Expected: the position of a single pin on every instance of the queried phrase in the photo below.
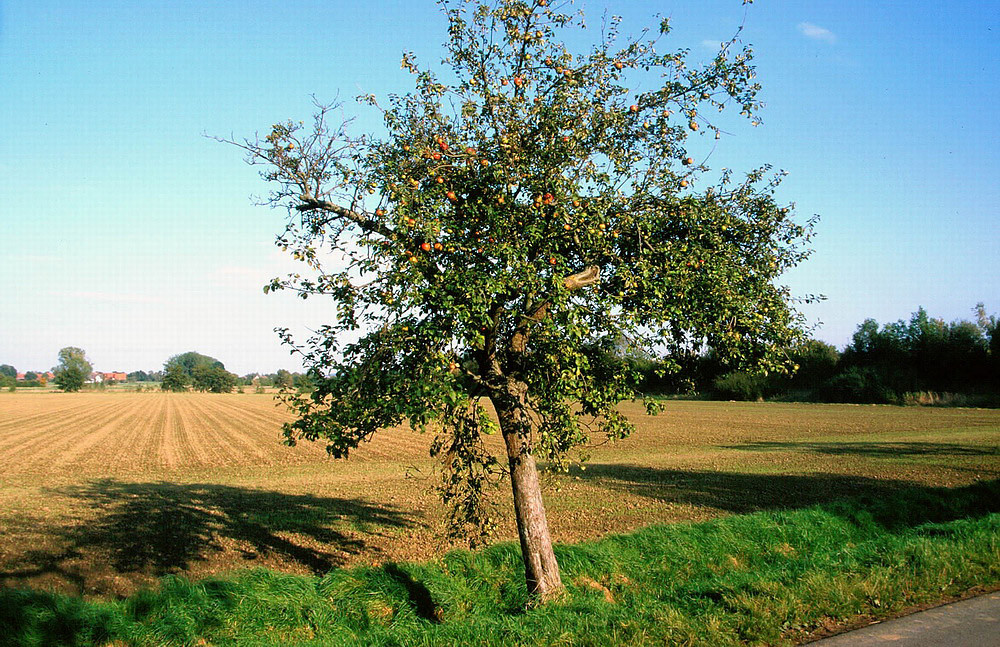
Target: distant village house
(114, 376)
(42, 376)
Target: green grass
(764, 578)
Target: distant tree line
(145, 376)
(203, 373)
(281, 379)
(920, 359)
(915, 360)
(70, 374)
(186, 371)
(8, 376)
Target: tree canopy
(215, 379)
(525, 211)
(190, 360)
(73, 369)
(202, 372)
(175, 379)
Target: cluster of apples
(558, 68)
(445, 153)
(687, 161)
(424, 247)
(546, 199)
(519, 81)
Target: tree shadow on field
(874, 450)
(160, 528)
(891, 503)
(736, 492)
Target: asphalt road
(969, 623)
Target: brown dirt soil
(102, 492)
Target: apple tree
(524, 214)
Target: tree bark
(541, 570)
(509, 397)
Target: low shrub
(739, 385)
(859, 385)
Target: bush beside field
(772, 577)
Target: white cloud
(713, 45)
(816, 32)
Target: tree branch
(588, 276)
(310, 203)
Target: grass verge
(763, 578)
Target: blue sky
(129, 234)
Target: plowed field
(101, 492)
(127, 433)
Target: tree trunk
(540, 568)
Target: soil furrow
(104, 441)
(83, 412)
(40, 449)
(232, 436)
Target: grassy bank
(769, 577)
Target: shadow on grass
(41, 618)
(419, 595)
(874, 450)
(160, 528)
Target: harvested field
(139, 433)
(101, 492)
